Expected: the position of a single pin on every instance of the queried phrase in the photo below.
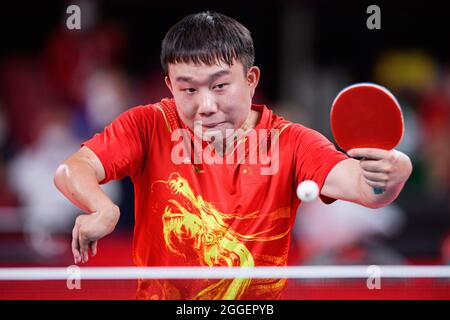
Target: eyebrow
(212, 77)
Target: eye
(188, 90)
(220, 86)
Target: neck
(251, 121)
(249, 124)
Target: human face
(217, 97)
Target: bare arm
(78, 179)
(354, 180)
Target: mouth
(212, 125)
(209, 125)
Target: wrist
(109, 214)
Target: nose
(207, 105)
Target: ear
(168, 83)
(253, 74)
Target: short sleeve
(122, 145)
(314, 155)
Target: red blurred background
(60, 86)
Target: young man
(190, 212)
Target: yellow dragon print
(197, 223)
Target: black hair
(208, 38)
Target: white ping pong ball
(307, 191)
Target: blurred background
(58, 87)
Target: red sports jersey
(191, 214)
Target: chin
(219, 134)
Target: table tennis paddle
(366, 115)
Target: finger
(368, 153)
(75, 244)
(94, 248)
(375, 176)
(375, 166)
(84, 245)
(376, 184)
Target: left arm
(354, 180)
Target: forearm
(374, 200)
(78, 179)
(389, 175)
(78, 182)
(354, 180)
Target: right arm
(78, 178)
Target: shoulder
(291, 131)
(300, 131)
(149, 113)
(141, 111)
(298, 134)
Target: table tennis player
(199, 201)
